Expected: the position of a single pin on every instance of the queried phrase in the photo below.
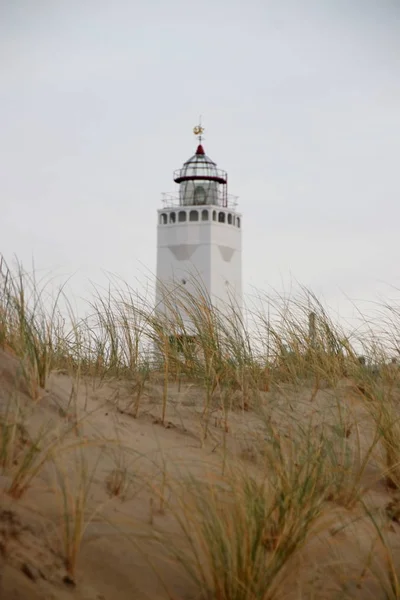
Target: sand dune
(125, 478)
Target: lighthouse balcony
(175, 200)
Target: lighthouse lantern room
(199, 235)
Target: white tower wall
(204, 253)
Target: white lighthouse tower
(199, 236)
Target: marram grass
(239, 533)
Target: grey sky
(301, 104)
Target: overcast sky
(301, 104)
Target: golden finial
(198, 130)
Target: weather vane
(198, 130)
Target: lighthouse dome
(200, 167)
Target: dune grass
(30, 323)
(75, 516)
(240, 532)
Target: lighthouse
(199, 236)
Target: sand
(119, 555)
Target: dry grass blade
(239, 534)
(74, 488)
(384, 569)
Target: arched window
(204, 215)
(194, 215)
(229, 219)
(238, 221)
(200, 195)
(214, 215)
(221, 217)
(182, 216)
(163, 219)
(234, 220)
(172, 217)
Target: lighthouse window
(204, 215)
(193, 215)
(163, 219)
(229, 219)
(182, 216)
(172, 217)
(221, 217)
(214, 215)
(238, 221)
(200, 195)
